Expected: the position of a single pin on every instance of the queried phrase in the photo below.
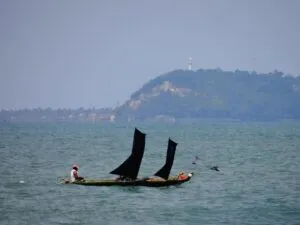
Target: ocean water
(258, 182)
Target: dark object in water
(196, 158)
(214, 168)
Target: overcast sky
(93, 53)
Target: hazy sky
(63, 53)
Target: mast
(131, 166)
(164, 172)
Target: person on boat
(182, 176)
(74, 174)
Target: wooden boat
(152, 182)
(128, 170)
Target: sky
(94, 53)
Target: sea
(258, 182)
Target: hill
(215, 94)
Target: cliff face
(215, 94)
(165, 87)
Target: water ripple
(257, 184)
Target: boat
(129, 169)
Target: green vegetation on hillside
(216, 94)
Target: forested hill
(216, 94)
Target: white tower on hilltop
(190, 64)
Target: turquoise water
(258, 182)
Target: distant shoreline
(186, 95)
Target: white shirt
(73, 172)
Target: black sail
(164, 172)
(131, 166)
